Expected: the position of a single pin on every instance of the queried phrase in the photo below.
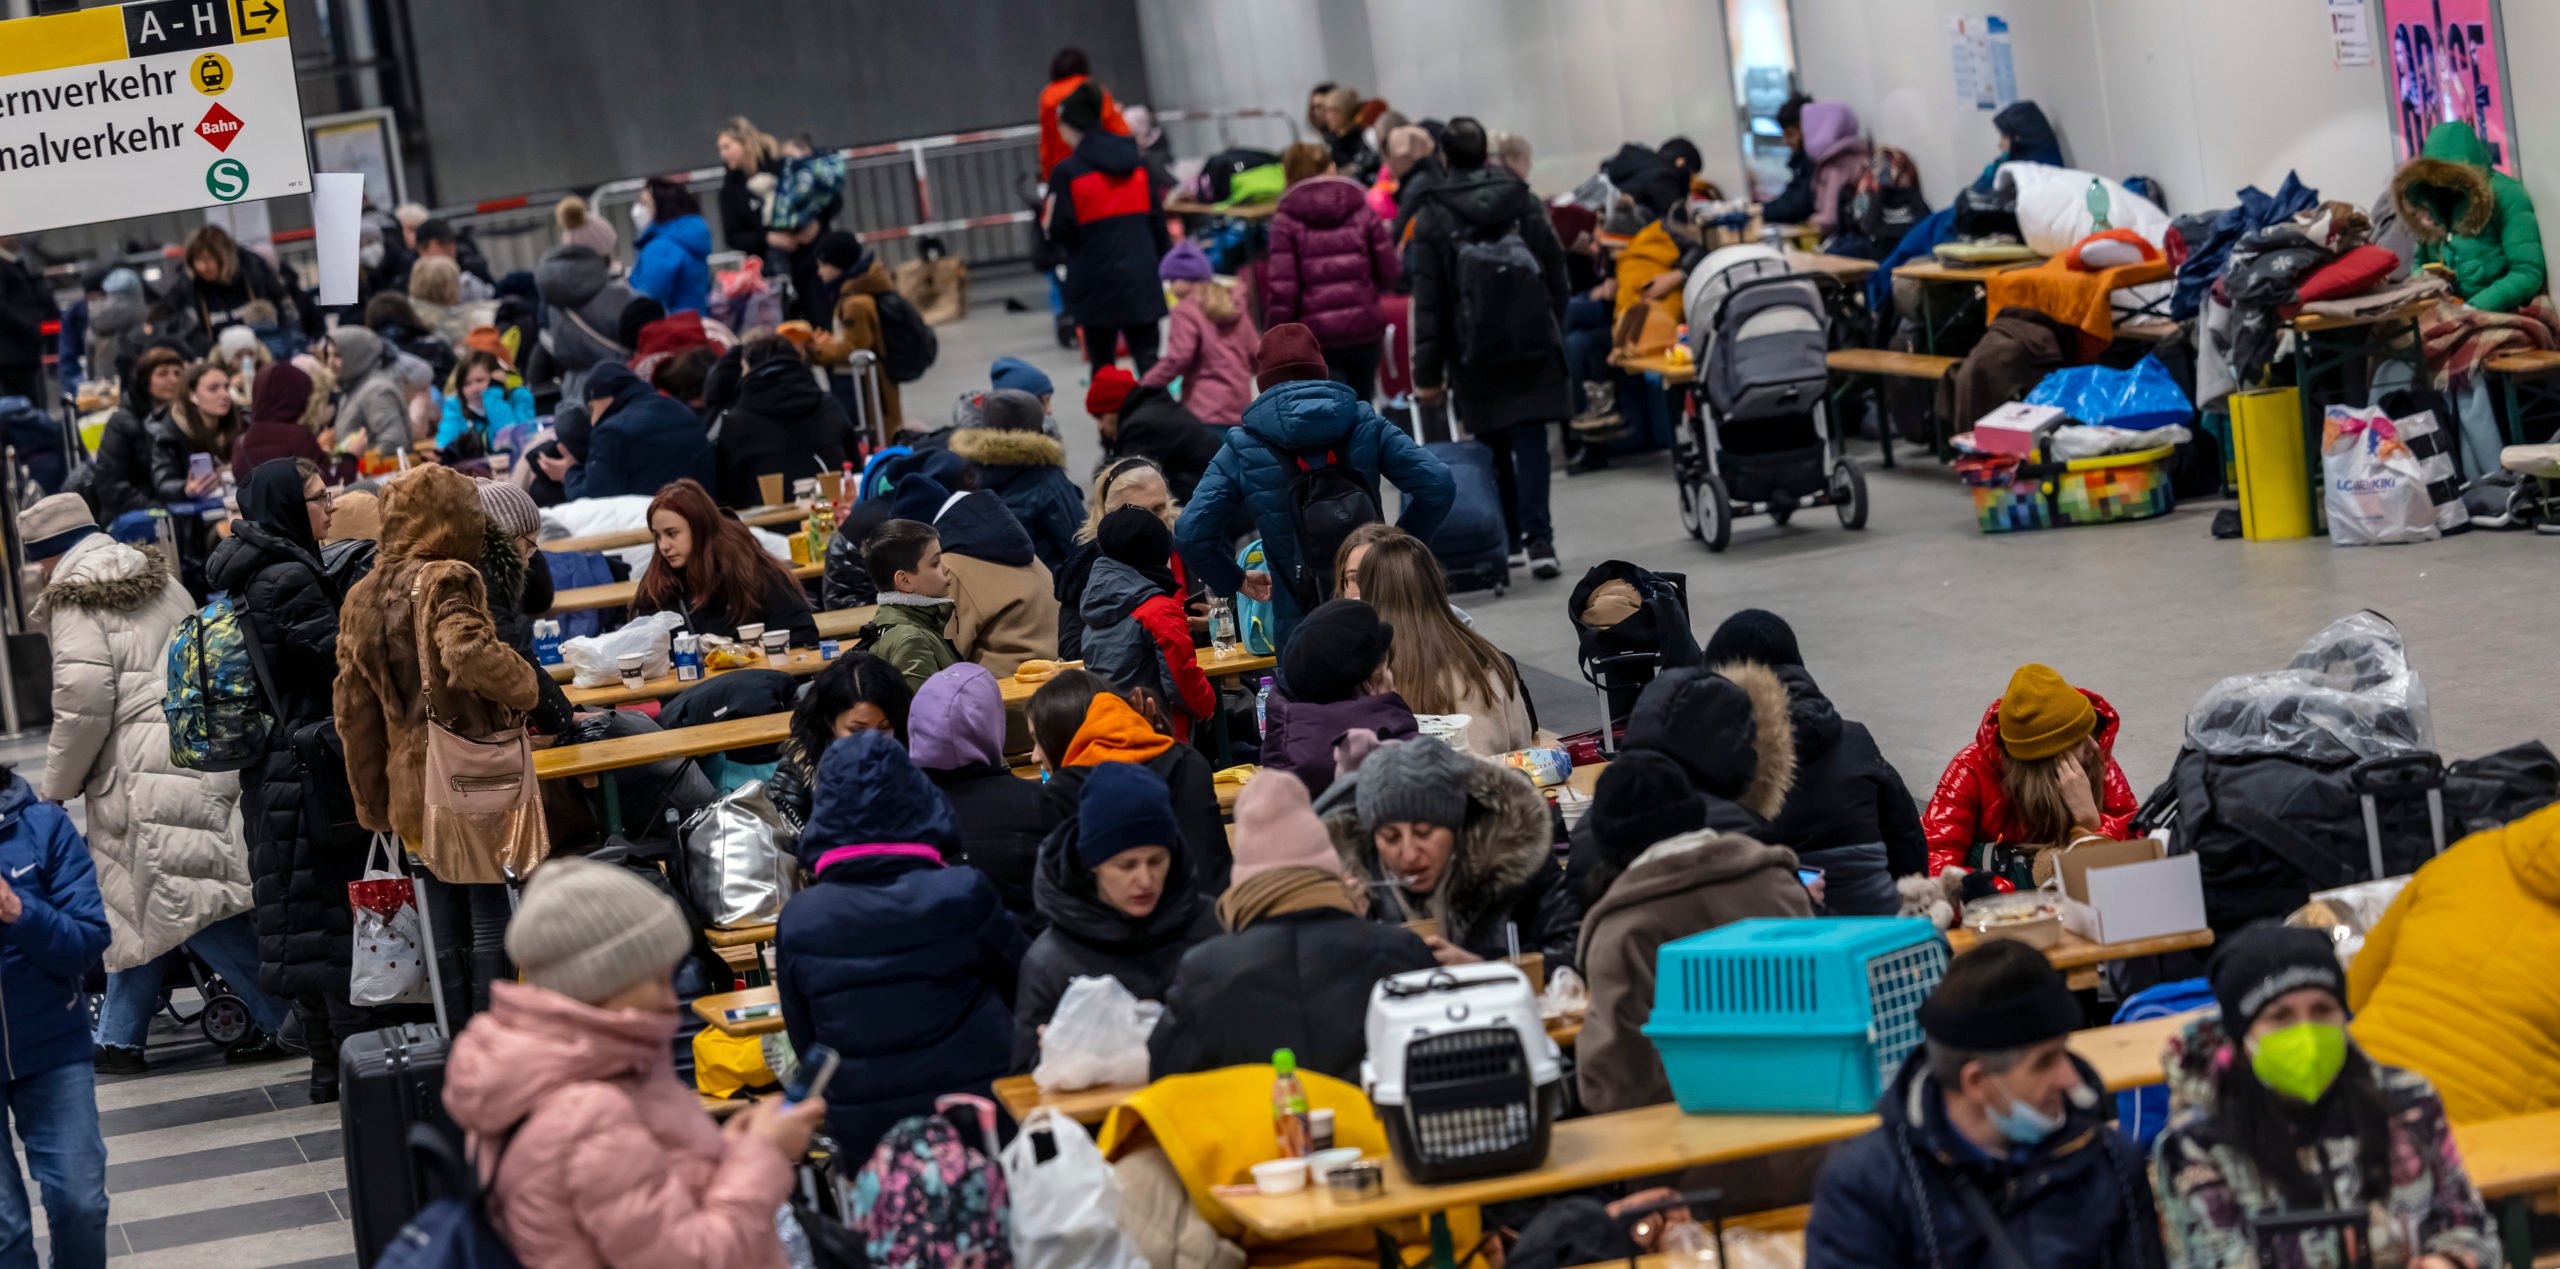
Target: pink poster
(2447, 66)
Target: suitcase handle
(2407, 773)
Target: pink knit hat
(1276, 827)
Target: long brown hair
(213, 438)
(214, 243)
(725, 570)
(2034, 789)
(1436, 660)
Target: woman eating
(711, 569)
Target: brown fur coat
(432, 533)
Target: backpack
(1503, 311)
(1219, 171)
(218, 716)
(928, 1199)
(1326, 503)
(2142, 1112)
(452, 1232)
(1255, 620)
(907, 346)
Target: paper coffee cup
(805, 491)
(777, 644)
(751, 635)
(770, 488)
(832, 485)
(632, 665)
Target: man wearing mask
(1995, 1148)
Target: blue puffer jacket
(60, 932)
(500, 409)
(902, 964)
(1029, 471)
(645, 442)
(1252, 469)
(1889, 1199)
(674, 264)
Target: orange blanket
(2076, 297)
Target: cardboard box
(2123, 891)
(2016, 428)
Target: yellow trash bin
(2274, 475)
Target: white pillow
(2109, 253)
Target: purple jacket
(1330, 261)
(1298, 737)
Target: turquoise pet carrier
(1792, 1014)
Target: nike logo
(16, 873)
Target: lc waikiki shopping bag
(2375, 488)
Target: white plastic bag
(1066, 1212)
(1097, 1037)
(598, 658)
(2377, 491)
(389, 953)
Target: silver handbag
(737, 857)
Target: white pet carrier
(1461, 1071)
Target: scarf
(1278, 892)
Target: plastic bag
(2136, 400)
(1098, 1036)
(1565, 996)
(1066, 1212)
(2377, 489)
(2347, 696)
(390, 961)
(598, 658)
(2348, 913)
(2071, 443)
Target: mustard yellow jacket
(2457, 981)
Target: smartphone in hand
(817, 1066)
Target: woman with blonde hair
(1441, 666)
(1127, 482)
(750, 155)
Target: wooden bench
(2523, 378)
(1885, 363)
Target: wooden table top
(1845, 268)
(1247, 211)
(2533, 361)
(714, 1009)
(1649, 1141)
(2320, 322)
(619, 594)
(2075, 952)
(2507, 1157)
(835, 623)
(1016, 691)
(760, 517)
(1672, 372)
(684, 742)
(801, 663)
(1940, 271)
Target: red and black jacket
(1106, 219)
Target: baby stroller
(1758, 437)
(220, 1012)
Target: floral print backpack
(928, 1200)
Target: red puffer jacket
(1969, 807)
(1330, 261)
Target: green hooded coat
(2471, 218)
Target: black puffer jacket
(1472, 206)
(1195, 811)
(122, 481)
(1089, 938)
(1001, 824)
(1849, 813)
(517, 590)
(302, 852)
(1299, 980)
(1503, 871)
(783, 424)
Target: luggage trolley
(1758, 437)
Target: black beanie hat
(1082, 110)
(1333, 651)
(1136, 537)
(2001, 996)
(840, 250)
(1755, 634)
(2266, 960)
(1642, 798)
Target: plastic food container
(1280, 1176)
(2031, 919)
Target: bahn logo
(219, 126)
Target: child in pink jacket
(1211, 345)
(604, 1158)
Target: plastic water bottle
(1262, 707)
(2099, 204)
(1222, 626)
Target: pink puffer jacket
(612, 1161)
(1213, 359)
(1330, 261)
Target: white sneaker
(1543, 564)
(1519, 558)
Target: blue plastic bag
(2137, 400)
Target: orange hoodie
(1114, 732)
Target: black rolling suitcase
(1473, 545)
(387, 1080)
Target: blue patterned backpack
(218, 718)
(928, 1199)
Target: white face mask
(640, 215)
(370, 254)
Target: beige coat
(165, 840)
(1001, 616)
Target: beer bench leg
(2515, 1228)
(612, 804)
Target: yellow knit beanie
(2042, 716)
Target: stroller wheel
(225, 1020)
(1716, 515)
(1690, 518)
(1849, 494)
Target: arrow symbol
(268, 14)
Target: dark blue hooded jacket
(646, 440)
(903, 964)
(1308, 417)
(60, 932)
(2030, 139)
(674, 264)
(979, 526)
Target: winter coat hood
(1324, 201)
(2446, 191)
(957, 719)
(1830, 130)
(1507, 839)
(998, 447)
(570, 275)
(433, 513)
(782, 390)
(1298, 736)
(359, 353)
(981, 527)
(869, 794)
(1814, 720)
(533, 1042)
(1304, 414)
(1484, 198)
(1729, 728)
(1112, 591)
(1691, 862)
(1113, 153)
(102, 575)
(618, 381)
